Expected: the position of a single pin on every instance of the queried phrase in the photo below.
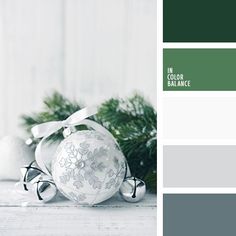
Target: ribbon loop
(46, 129)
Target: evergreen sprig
(132, 122)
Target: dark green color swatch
(199, 214)
(199, 70)
(199, 21)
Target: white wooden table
(62, 217)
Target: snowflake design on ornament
(116, 177)
(93, 180)
(82, 165)
(83, 148)
(110, 183)
(111, 173)
(72, 152)
(78, 183)
(94, 157)
(93, 164)
(65, 178)
(69, 163)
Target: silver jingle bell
(36, 181)
(132, 189)
(30, 174)
(45, 189)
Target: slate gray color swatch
(199, 215)
(199, 166)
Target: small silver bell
(45, 189)
(132, 189)
(30, 174)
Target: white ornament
(88, 167)
(14, 154)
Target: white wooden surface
(89, 50)
(113, 217)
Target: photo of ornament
(131, 120)
(88, 166)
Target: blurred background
(88, 50)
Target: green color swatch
(199, 70)
(199, 21)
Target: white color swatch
(199, 117)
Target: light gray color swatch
(199, 215)
(199, 166)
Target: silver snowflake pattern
(111, 173)
(82, 164)
(78, 183)
(110, 183)
(83, 148)
(71, 150)
(66, 176)
(93, 180)
(116, 177)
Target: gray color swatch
(199, 215)
(199, 166)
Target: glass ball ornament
(88, 167)
(133, 189)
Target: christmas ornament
(37, 183)
(88, 166)
(133, 189)
(14, 153)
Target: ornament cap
(68, 131)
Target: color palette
(198, 120)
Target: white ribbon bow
(45, 130)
